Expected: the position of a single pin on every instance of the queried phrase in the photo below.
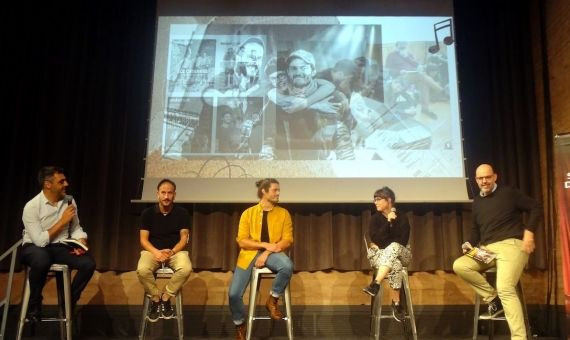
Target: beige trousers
(510, 263)
(179, 263)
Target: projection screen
(333, 107)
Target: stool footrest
(494, 318)
(54, 319)
(267, 318)
(387, 316)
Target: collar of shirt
(261, 207)
(158, 211)
(482, 194)
(44, 200)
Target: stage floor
(324, 322)
(481, 337)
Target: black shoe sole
(367, 292)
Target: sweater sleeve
(475, 237)
(530, 205)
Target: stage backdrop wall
(79, 76)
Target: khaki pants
(179, 263)
(510, 263)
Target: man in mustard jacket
(265, 233)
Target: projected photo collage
(342, 93)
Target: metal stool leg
(376, 313)
(163, 273)
(252, 301)
(67, 301)
(146, 303)
(64, 303)
(525, 313)
(523, 303)
(491, 329)
(476, 316)
(63, 293)
(60, 304)
(68, 311)
(409, 304)
(24, 310)
(289, 314)
(179, 315)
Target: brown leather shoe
(241, 331)
(273, 308)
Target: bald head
(484, 168)
(486, 178)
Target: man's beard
(303, 91)
(61, 195)
(303, 80)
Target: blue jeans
(278, 263)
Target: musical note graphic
(448, 40)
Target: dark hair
(361, 61)
(264, 184)
(166, 180)
(46, 173)
(386, 193)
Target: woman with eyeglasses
(388, 251)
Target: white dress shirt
(40, 215)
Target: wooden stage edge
(321, 288)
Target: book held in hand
(73, 243)
(481, 255)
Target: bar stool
(501, 317)
(63, 293)
(163, 273)
(376, 305)
(256, 275)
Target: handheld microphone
(392, 215)
(69, 200)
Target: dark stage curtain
(79, 77)
(331, 237)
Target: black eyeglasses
(378, 198)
